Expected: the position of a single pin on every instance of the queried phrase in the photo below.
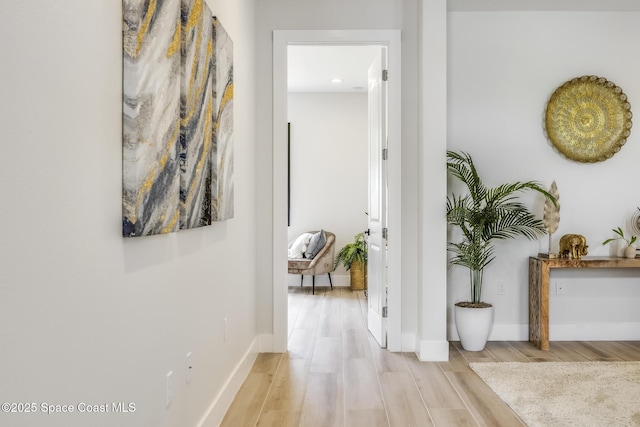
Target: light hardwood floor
(334, 374)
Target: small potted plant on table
(629, 249)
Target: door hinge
(385, 75)
(385, 153)
(384, 312)
(385, 233)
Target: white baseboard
(433, 351)
(221, 403)
(562, 332)
(595, 332)
(509, 332)
(500, 332)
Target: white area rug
(555, 394)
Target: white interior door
(377, 271)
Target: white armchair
(320, 264)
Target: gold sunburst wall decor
(588, 119)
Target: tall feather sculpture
(551, 217)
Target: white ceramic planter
(630, 251)
(474, 326)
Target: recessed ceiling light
(336, 80)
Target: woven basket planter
(358, 276)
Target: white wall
(295, 15)
(502, 68)
(329, 169)
(431, 302)
(85, 315)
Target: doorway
(282, 39)
(328, 167)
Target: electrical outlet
(560, 289)
(226, 328)
(188, 368)
(502, 288)
(169, 388)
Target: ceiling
(311, 68)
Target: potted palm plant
(353, 256)
(483, 215)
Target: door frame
(282, 39)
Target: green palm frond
(461, 166)
(514, 221)
(351, 253)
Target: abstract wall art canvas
(177, 117)
(151, 117)
(196, 106)
(223, 183)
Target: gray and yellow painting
(177, 117)
(151, 117)
(223, 125)
(196, 106)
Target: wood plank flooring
(335, 375)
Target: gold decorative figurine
(573, 246)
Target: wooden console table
(539, 268)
